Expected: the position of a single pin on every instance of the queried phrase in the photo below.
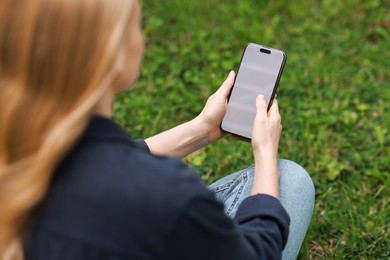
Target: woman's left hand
(213, 112)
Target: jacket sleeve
(203, 231)
(141, 144)
(265, 225)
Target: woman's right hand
(266, 130)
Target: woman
(74, 186)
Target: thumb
(227, 84)
(261, 106)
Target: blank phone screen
(258, 74)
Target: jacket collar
(101, 127)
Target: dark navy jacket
(112, 199)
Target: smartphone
(259, 73)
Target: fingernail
(261, 99)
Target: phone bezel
(274, 88)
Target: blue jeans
(296, 195)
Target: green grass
(334, 98)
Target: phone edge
(273, 92)
(277, 79)
(231, 90)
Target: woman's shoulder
(106, 155)
(123, 163)
(126, 167)
(115, 195)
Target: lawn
(334, 99)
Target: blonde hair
(57, 58)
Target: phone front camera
(265, 51)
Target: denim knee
(297, 196)
(296, 179)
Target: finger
(261, 107)
(227, 84)
(273, 113)
(274, 107)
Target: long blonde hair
(57, 58)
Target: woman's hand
(265, 142)
(213, 112)
(266, 129)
